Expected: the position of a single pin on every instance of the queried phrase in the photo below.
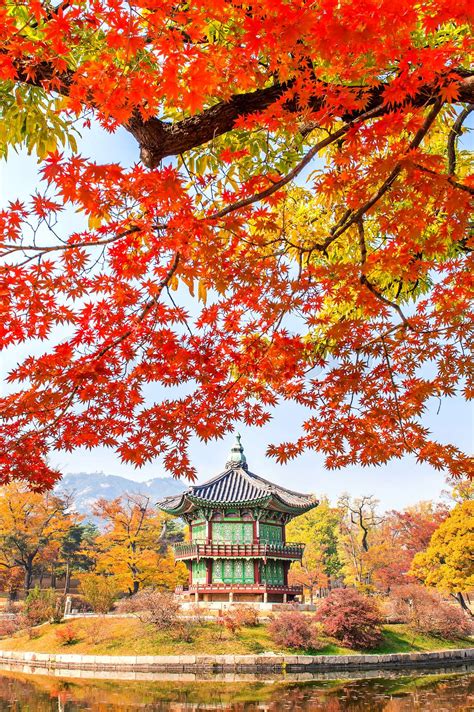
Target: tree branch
(454, 135)
(158, 139)
(294, 172)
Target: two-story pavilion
(238, 549)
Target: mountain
(88, 487)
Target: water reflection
(448, 692)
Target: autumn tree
(401, 535)
(318, 529)
(31, 524)
(297, 226)
(75, 551)
(359, 525)
(130, 549)
(448, 562)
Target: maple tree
(448, 563)
(300, 171)
(400, 537)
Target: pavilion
(237, 549)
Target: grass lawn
(128, 636)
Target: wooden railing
(215, 587)
(222, 549)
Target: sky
(398, 484)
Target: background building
(238, 549)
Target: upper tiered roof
(236, 486)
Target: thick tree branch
(158, 139)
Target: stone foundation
(196, 666)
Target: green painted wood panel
(199, 531)
(199, 571)
(233, 532)
(233, 571)
(272, 573)
(270, 533)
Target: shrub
(159, 608)
(40, 607)
(184, 631)
(237, 617)
(197, 614)
(425, 611)
(246, 616)
(99, 592)
(8, 626)
(351, 617)
(66, 635)
(292, 629)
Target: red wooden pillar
(286, 566)
(255, 533)
(256, 571)
(209, 571)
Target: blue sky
(397, 484)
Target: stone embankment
(205, 665)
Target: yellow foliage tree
(318, 529)
(448, 562)
(131, 548)
(32, 525)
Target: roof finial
(236, 456)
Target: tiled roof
(238, 485)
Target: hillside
(88, 487)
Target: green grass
(400, 639)
(128, 636)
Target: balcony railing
(222, 549)
(240, 587)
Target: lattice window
(228, 572)
(217, 573)
(248, 571)
(273, 573)
(233, 571)
(232, 532)
(270, 533)
(238, 570)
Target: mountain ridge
(87, 487)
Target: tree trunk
(28, 577)
(460, 599)
(67, 580)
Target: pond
(398, 692)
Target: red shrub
(8, 626)
(66, 635)
(237, 617)
(292, 629)
(427, 612)
(351, 617)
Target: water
(442, 692)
